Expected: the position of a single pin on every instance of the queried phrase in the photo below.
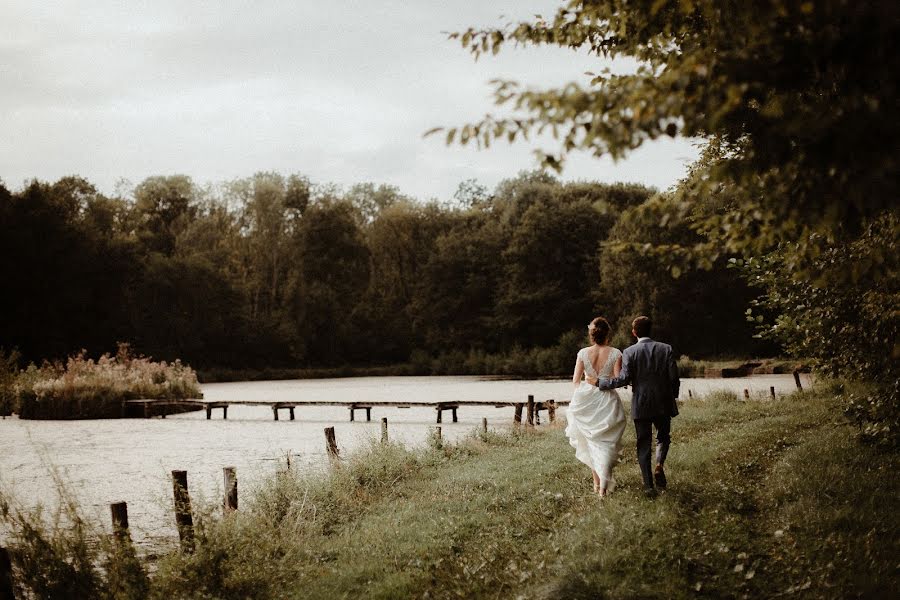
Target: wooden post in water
(797, 379)
(231, 490)
(746, 394)
(529, 419)
(208, 412)
(224, 412)
(517, 416)
(453, 412)
(119, 512)
(484, 424)
(6, 584)
(331, 442)
(690, 395)
(384, 434)
(184, 520)
(772, 389)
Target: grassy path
(759, 504)
(765, 499)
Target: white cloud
(340, 92)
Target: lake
(110, 460)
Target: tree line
(275, 271)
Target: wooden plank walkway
(148, 404)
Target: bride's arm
(579, 372)
(617, 367)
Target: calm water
(105, 461)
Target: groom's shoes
(659, 476)
(650, 492)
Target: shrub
(63, 557)
(8, 371)
(85, 389)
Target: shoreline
(688, 368)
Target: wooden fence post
(437, 436)
(551, 410)
(484, 424)
(231, 489)
(529, 418)
(797, 379)
(772, 389)
(517, 416)
(6, 583)
(119, 512)
(184, 520)
(746, 394)
(331, 442)
(384, 433)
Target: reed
(83, 388)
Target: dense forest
(275, 271)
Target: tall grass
(83, 388)
(765, 498)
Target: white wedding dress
(596, 420)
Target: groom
(650, 368)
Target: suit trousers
(644, 430)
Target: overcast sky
(338, 91)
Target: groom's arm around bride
(649, 366)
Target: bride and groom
(596, 419)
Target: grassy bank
(766, 498)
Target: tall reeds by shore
(83, 388)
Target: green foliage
(693, 308)
(795, 101)
(798, 94)
(62, 557)
(272, 273)
(851, 331)
(163, 207)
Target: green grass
(765, 498)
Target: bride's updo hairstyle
(600, 330)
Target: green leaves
(799, 148)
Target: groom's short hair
(642, 326)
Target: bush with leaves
(850, 330)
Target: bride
(596, 420)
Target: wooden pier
(150, 407)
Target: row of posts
(771, 388)
(184, 519)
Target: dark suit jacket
(651, 370)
